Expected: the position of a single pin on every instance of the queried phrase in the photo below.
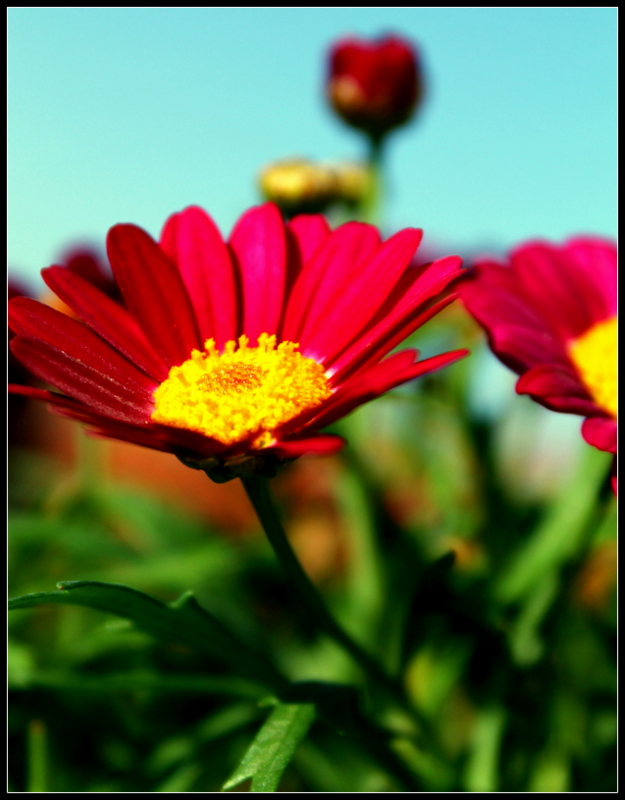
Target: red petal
(311, 231)
(328, 301)
(48, 397)
(259, 244)
(375, 382)
(378, 379)
(372, 376)
(597, 259)
(108, 387)
(517, 333)
(399, 317)
(112, 322)
(600, 432)
(68, 355)
(130, 435)
(493, 293)
(522, 348)
(88, 263)
(332, 263)
(323, 445)
(67, 406)
(557, 388)
(193, 242)
(168, 439)
(156, 437)
(560, 292)
(352, 304)
(304, 235)
(154, 293)
(373, 354)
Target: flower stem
(372, 207)
(257, 489)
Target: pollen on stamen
(243, 393)
(177, 372)
(232, 378)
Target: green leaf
(27, 676)
(338, 707)
(524, 635)
(182, 779)
(182, 622)
(481, 769)
(561, 534)
(551, 771)
(274, 746)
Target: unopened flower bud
(298, 186)
(374, 86)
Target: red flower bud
(374, 86)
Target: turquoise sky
(127, 115)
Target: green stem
(372, 207)
(37, 757)
(257, 489)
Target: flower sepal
(222, 470)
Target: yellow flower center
(594, 355)
(298, 181)
(241, 393)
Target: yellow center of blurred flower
(241, 393)
(594, 354)
(298, 181)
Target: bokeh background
(126, 115)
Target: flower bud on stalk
(374, 86)
(298, 186)
(301, 186)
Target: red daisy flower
(374, 86)
(551, 317)
(234, 355)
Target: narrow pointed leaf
(182, 622)
(274, 746)
(559, 536)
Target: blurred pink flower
(550, 315)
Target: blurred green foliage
(497, 613)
